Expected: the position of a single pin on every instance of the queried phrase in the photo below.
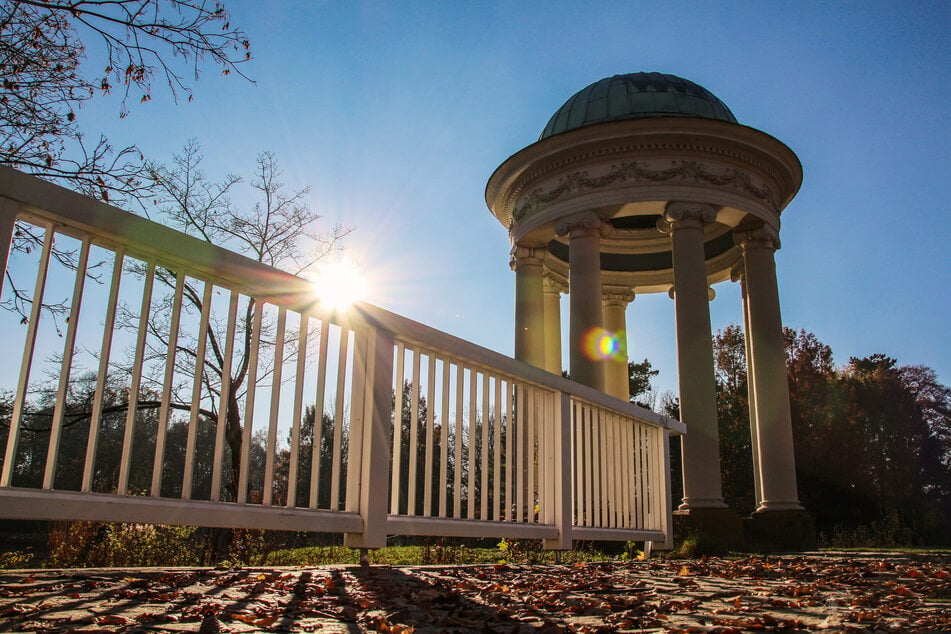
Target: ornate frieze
(634, 172)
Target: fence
(166, 380)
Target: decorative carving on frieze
(636, 172)
(584, 220)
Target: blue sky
(396, 114)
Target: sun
(339, 283)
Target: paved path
(801, 593)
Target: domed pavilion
(646, 183)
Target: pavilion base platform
(715, 529)
(780, 531)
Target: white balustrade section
(196, 386)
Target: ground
(793, 593)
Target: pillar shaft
(584, 280)
(614, 307)
(698, 408)
(751, 396)
(552, 297)
(529, 305)
(771, 390)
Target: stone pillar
(584, 279)
(773, 421)
(698, 407)
(614, 301)
(529, 304)
(738, 276)
(553, 288)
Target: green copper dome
(636, 96)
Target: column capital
(617, 295)
(585, 221)
(738, 271)
(554, 284)
(525, 254)
(763, 237)
(685, 215)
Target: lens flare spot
(599, 344)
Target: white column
(614, 301)
(584, 279)
(552, 289)
(698, 407)
(771, 390)
(529, 305)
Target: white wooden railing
(392, 428)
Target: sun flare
(339, 283)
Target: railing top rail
(145, 238)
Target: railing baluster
(511, 389)
(189, 474)
(276, 381)
(626, 455)
(133, 407)
(28, 348)
(69, 345)
(531, 438)
(430, 428)
(471, 443)
(362, 370)
(165, 406)
(444, 440)
(522, 417)
(457, 472)
(224, 402)
(338, 419)
(252, 381)
(105, 350)
(497, 450)
(319, 412)
(413, 448)
(484, 451)
(396, 478)
(298, 407)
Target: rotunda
(646, 183)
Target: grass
(512, 552)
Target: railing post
(8, 218)
(662, 453)
(562, 475)
(370, 430)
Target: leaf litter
(720, 595)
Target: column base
(780, 531)
(716, 530)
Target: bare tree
(43, 47)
